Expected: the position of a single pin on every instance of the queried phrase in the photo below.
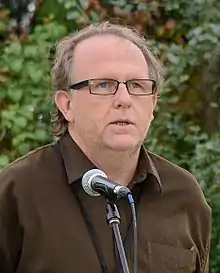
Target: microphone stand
(113, 219)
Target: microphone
(96, 182)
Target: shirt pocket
(171, 259)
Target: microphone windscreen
(87, 181)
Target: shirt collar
(76, 162)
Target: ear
(63, 102)
(155, 100)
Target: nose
(122, 98)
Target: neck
(120, 166)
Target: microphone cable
(134, 227)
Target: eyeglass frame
(86, 83)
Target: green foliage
(25, 92)
(186, 36)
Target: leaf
(34, 73)
(14, 49)
(16, 65)
(41, 134)
(15, 94)
(94, 16)
(24, 148)
(84, 4)
(4, 160)
(30, 51)
(3, 27)
(20, 122)
(73, 15)
(69, 4)
(117, 2)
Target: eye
(136, 84)
(104, 84)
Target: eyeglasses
(104, 87)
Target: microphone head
(87, 180)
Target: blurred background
(184, 34)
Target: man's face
(93, 119)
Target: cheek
(145, 115)
(89, 111)
(80, 105)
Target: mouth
(122, 122)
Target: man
(105, 83)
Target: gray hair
(64, 56)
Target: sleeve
(10, 228)
(206, 268)
(206, 234)
(200, 225)
(206, 264)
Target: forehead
(108, 56)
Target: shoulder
(165, 166)
(172, 174)
(177, 180)
(27, 169)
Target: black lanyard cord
(92, 233)
(85, 215)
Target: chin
(123, 145)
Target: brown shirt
(42, 229)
